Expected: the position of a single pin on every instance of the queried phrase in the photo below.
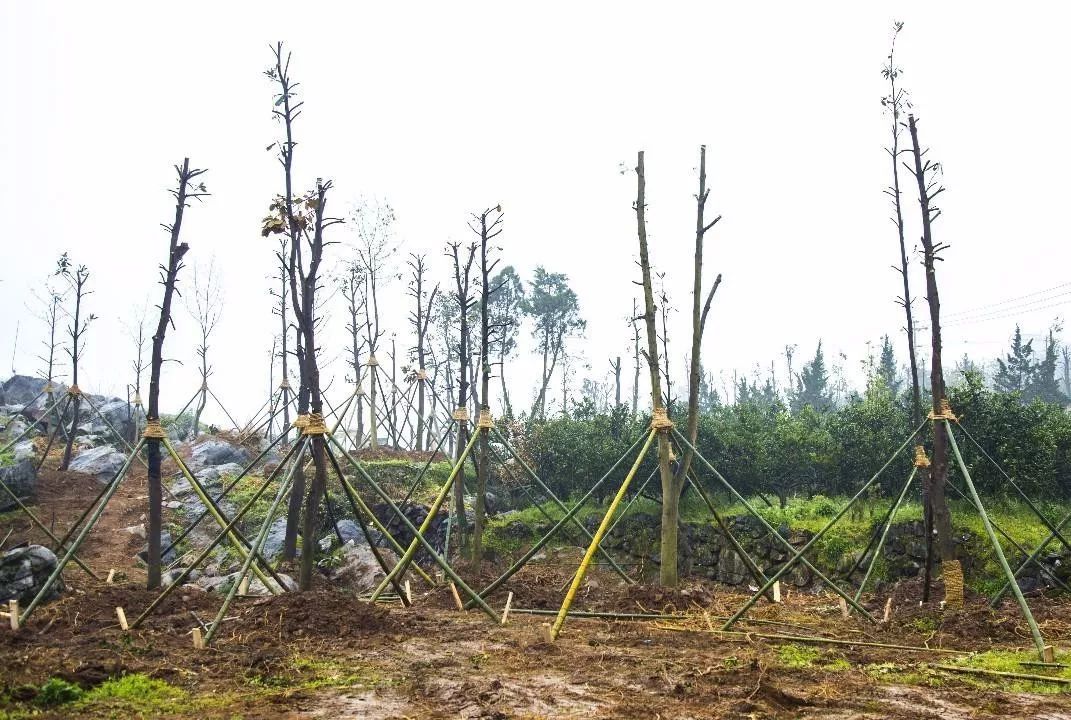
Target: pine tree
(812, 385)
(1042, 383)
(887, 369)
(1014, 373)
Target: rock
(138, 530)
(104, 462)
(273, 543)
(347, 529)
(20, 389)
(14, 427)
(24, 451)
(222, 583)
(165, 545)
(21, 479)
(212, 452)
(23, 572)
(358, 569)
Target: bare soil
(326, 654)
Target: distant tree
(420, 317)
(887, 369)
(76, 277)
(464, 304)
(205, 306)
(1043, 384)
(505, 309)
(351, 285)
(812, 385)
(555, 310)
(1015, 371)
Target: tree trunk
(942, 519)
(670, 496)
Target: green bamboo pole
(233, 421)
(756, 572)
(885, 533)
(424, 470)
(769, 528)
(364, 529)
(1032, 558)
(1035, 632)
(554, 498)
(1026, 498)
(294, 450)
(47, 586)
(52, 435)
(539, 544)
(351, 492)
(237, 540)
(432, 512)
(94, 408)
(223, 493)
(578, 579)
(30, 427)
(284, 489)
(58, 543)
(439, 560)
(1004, 534)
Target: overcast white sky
(447, 108)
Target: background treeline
(804, 442)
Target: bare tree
(183, 193)
(77, 277)
(635, 358)
(895, 103)
(373, 222)
(50, 312)
(488, 225)
(138, 332)
(205, 307)
(464, 301)
(927, 175)
(420, 317)
(351, 284)
(281, 310)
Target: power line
(972, 311)
(1012, 314)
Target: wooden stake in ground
(505, 610)
(13, 614)
(121, 614)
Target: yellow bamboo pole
(578, 579)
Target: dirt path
(327, 655)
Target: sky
(443, 109)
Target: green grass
(1007, 661)
(797, 656)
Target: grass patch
(1007, 661)
(309, 673)
(797, 656)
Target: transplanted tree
(464, 303)
(420, 316)
(351, 286)
(673, 477)
(50, 311)
(205, 306)
(927, 175)
(553, 307)
(812, 385)
(76, 277)
(183, 193)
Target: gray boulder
(20, 389)
(103, 462)
(348, 530)
(21, 479)
(212, 452)
(357, 568)
(23, 572)
(165, 545)
(24, 451)
(273, 543)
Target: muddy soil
(327, 654)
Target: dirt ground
(326, 654)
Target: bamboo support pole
(885, 533)
(1035, 632)
(223, 493)
(1032, 558)
(439, 560)
(554, 498)
(46, 588)
(127, 445)
(359, 516)
(1026, 498)
(52, 435)
(30, 427)
(294, 449)
(224, 409)
(399, 569)
(769, 528)
(284, 489)
(237, 540)
(539, 544)
(815, 640)
(1003, 674)
(578, 579)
